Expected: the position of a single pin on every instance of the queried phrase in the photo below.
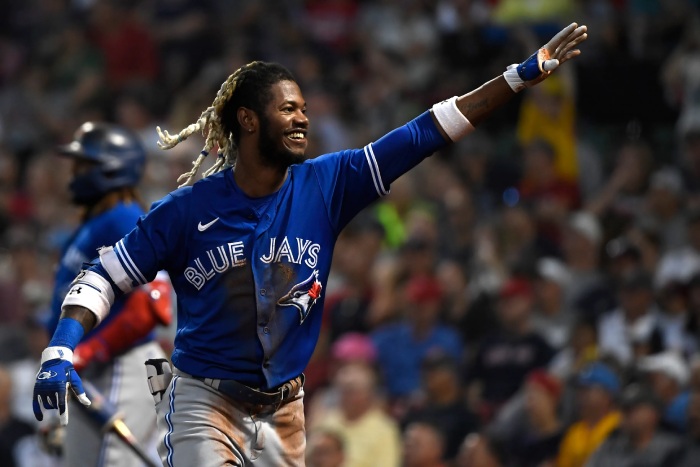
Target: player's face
(283, 127)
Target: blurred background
(529, 296)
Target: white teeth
(297, 135)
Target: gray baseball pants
(199, 426)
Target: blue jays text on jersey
(249, 272)
(223, 257)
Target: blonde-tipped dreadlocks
(246, 87)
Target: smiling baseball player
(248, 250)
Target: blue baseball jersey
(249, 273)
(104, 229)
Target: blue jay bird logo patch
(303, 296)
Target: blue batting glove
(535, 65)
(55, 376)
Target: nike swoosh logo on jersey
(202, 227)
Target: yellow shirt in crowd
(371, 441)
(558, 129)
(581, 440)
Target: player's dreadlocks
(249, 87)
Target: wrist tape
(50, 353)
(67, 334)
(513, 79)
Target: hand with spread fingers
(538, 66)
(52, 382)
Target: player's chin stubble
(273, 153)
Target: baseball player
(108, 162)
(248, 250)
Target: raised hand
(538, 66)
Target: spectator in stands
(634, 321)
(622, 197)
(663, 208)
(504, 359)
(325, 449)
(185, 39)
(582, 238)
(552, 319)
(692, 451)
(371, 437)
(402, 346)
(675, 319)
(690, 162)
(639, 442)
(359, 246)
(681, 264)
(538, 442)
(127, 45)
(483, 450)
(549, 114)
(552, 196)
(668, 377)
(598, 386)
(682, 84)
(623, 257)
(581, 350)
(350, 348)
(423, 446)
(443, 403)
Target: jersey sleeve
(148, 248)
(350, 180)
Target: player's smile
(297, 136)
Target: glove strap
(51, 353)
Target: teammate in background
(248, 250)
(108, 162)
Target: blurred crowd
(528, 297)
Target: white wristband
(455, 124)
(513, 79)
(64, 353)
(91, 291)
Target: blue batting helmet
(118, 157)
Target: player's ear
(247, 120)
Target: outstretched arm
(478, 104)
(363, 175)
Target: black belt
(242, 393)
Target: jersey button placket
(263, 292)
